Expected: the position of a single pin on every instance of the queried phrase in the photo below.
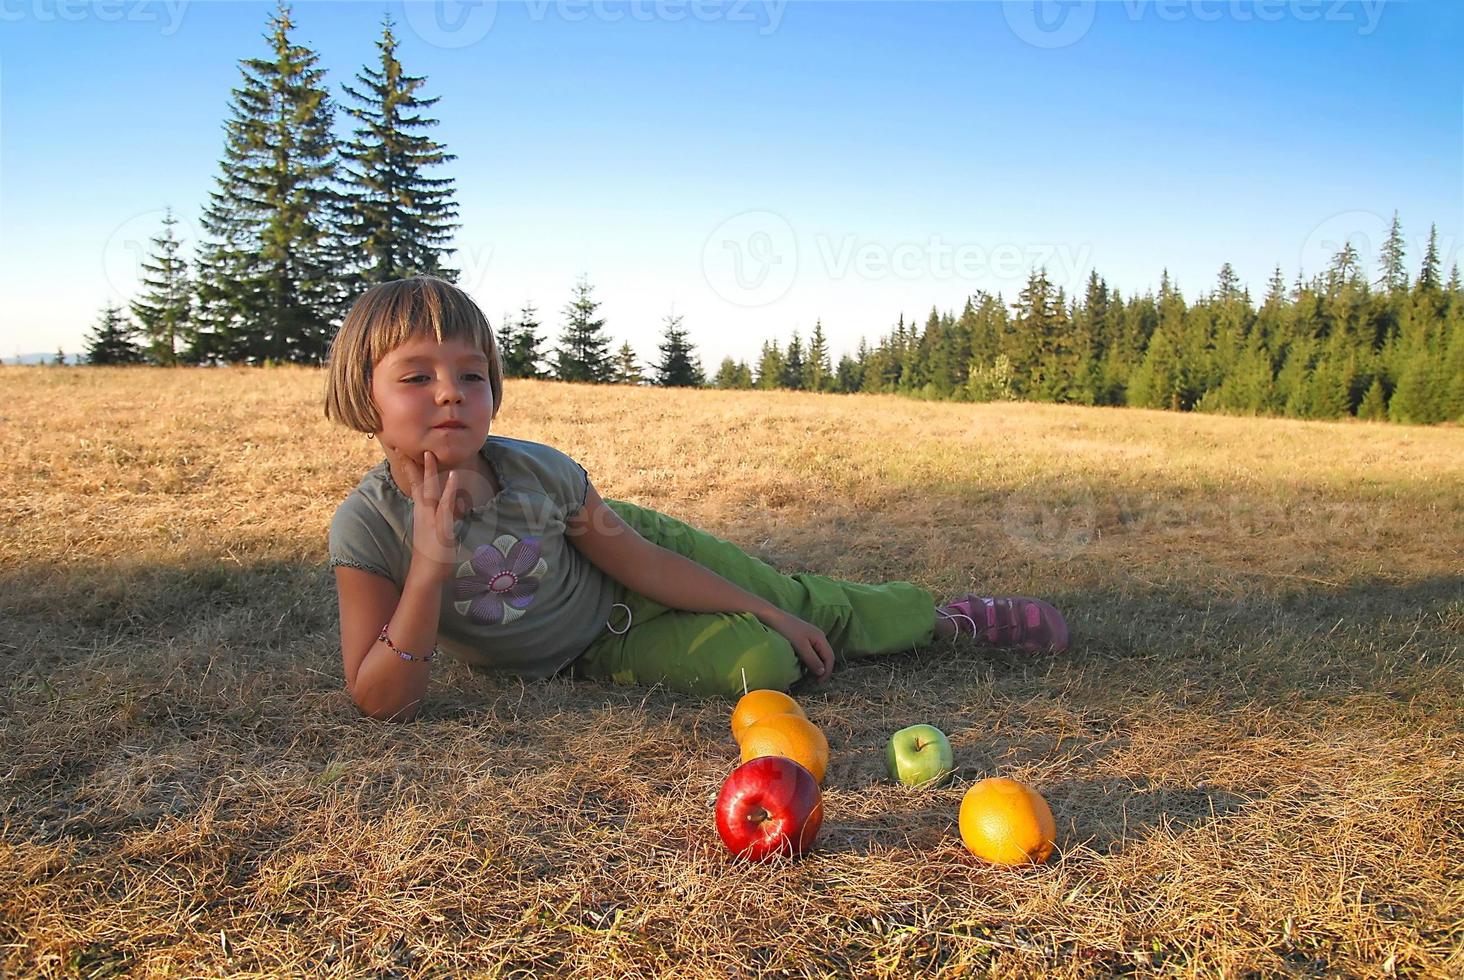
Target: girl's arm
(678, 582)
(383, 685)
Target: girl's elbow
(388, 712)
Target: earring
(370, 435)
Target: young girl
(501, 553)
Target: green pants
(713, 654)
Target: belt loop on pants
(629, 617)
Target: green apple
(920, 755)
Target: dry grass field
(1254, 750)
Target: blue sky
(756, 165)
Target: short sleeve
(359, 538)
(564, 479)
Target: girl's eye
(416, 376)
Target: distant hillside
(39, 358)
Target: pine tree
(268, 282)
(733, 374)
(1227, 286)
(817, 372)
(1374, 406)
(848, 376)
(679, 366)
(583, 353)
(1276, 288)
(1156, 384)
(793, 364)
(1394, 274)
(1417, 398)
(1344, 269)
(1043, 362)
(165, 309)
(111, 340)
(519, 345)
(395, 221)
(1428, 272)
(770, 367)
(60, 359)
(627, 371)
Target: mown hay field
(1253, 750)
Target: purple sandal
(1009, 621)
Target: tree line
(300, 222)
(1327, 347)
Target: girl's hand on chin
(417, 474)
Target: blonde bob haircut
(387, 316)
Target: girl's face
(423, 384)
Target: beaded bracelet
(383, 638)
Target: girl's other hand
(808, 641)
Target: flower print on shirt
(498, 583)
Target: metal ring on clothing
(629, 618)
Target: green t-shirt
(523, 599)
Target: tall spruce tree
(268, 282)
(1394, 274)
(112, 340)
(520, 345)
(1428, 271)
(679, 366)
(165, 309)
(395, 220)
(793, 364)
(817, 371)
(583, 353)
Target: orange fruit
(754, 706)
(791, 736)
(1006, 822)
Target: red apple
(770, 805)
